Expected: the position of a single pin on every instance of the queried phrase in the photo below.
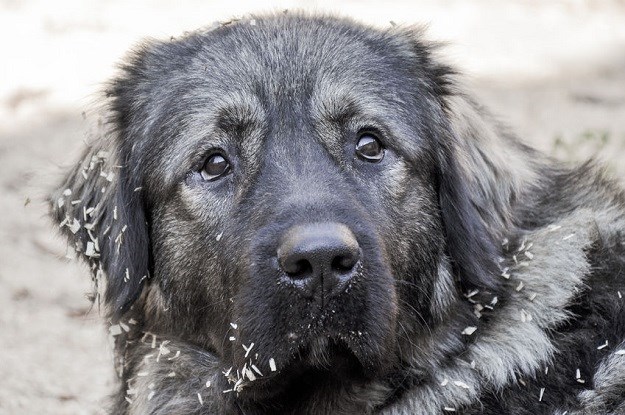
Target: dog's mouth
(324, 360)
(330, 347)
(332, 355)
(333, 343)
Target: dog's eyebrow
(334, 109)
(334, 105)
(238, 113)
(331, 109)
(339, 102)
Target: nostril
(344, 263)
(298, 269)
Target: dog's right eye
(215, 167)
(369, 147)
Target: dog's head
(285, 192)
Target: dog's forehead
(277, 71)
(285, 68)
(284, 57)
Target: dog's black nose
(319, 257)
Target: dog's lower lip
(338, 356)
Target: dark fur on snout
(488, 278)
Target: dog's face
(292, 195)
(287, 187)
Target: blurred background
(554, 71)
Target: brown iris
(369, 147)
(215, 167)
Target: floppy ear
(471, 245)
(484, 171)
(99, 208)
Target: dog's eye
(215, 166)
(369, 147)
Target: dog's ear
(471, 245)
(482, 170)
(483, 173)
(99, 208)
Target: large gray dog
(304, 215)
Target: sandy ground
(554, 71)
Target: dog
(295, 214)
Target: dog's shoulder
(566, 270)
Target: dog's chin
(346, 357)
(334, 356)
(323, 359)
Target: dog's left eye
(215, 167)
(369, 147)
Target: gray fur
(485, 263)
